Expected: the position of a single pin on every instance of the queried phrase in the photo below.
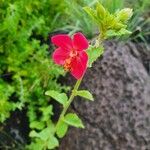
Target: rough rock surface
(119, 118)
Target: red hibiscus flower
(71, 53)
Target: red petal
(62, 40)
(59, 55)
(79, 65)
(80, 42)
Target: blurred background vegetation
(26, 68)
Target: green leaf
(124, 14)
(46, 112)
(43, 135)
(38, 145)
(91, 13)
(33, 133)
(73, 120)
(86, 94)
(61, 129)
(108, 22)
(93, 54)
(112, 33)
(101, 12)
(37, 125)
(59, 97)
(52, 142)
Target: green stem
(73, 94)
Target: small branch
(69, 102)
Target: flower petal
(62, 40)
(59, 55)
(80, 42)
(79, 65)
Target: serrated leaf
(112, 33)
(86, 94)
(93, 54)
(59, 97)
(52, 142)
(37, 125)
(73, 120)
(61, 129)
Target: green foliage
(140, 22)
(112, 33)
(43, 139)
(106, 21)
(37, 125)
(86, 94)
(124, 15)
(73, 120)
(22, 54)
(80, 21)
(59, 97)
(26, 70)
(5, 105)
(113, 5)
(94, 53)
(62, 129)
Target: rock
(119, 118)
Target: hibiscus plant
(75, 55)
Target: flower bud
(125, 14)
